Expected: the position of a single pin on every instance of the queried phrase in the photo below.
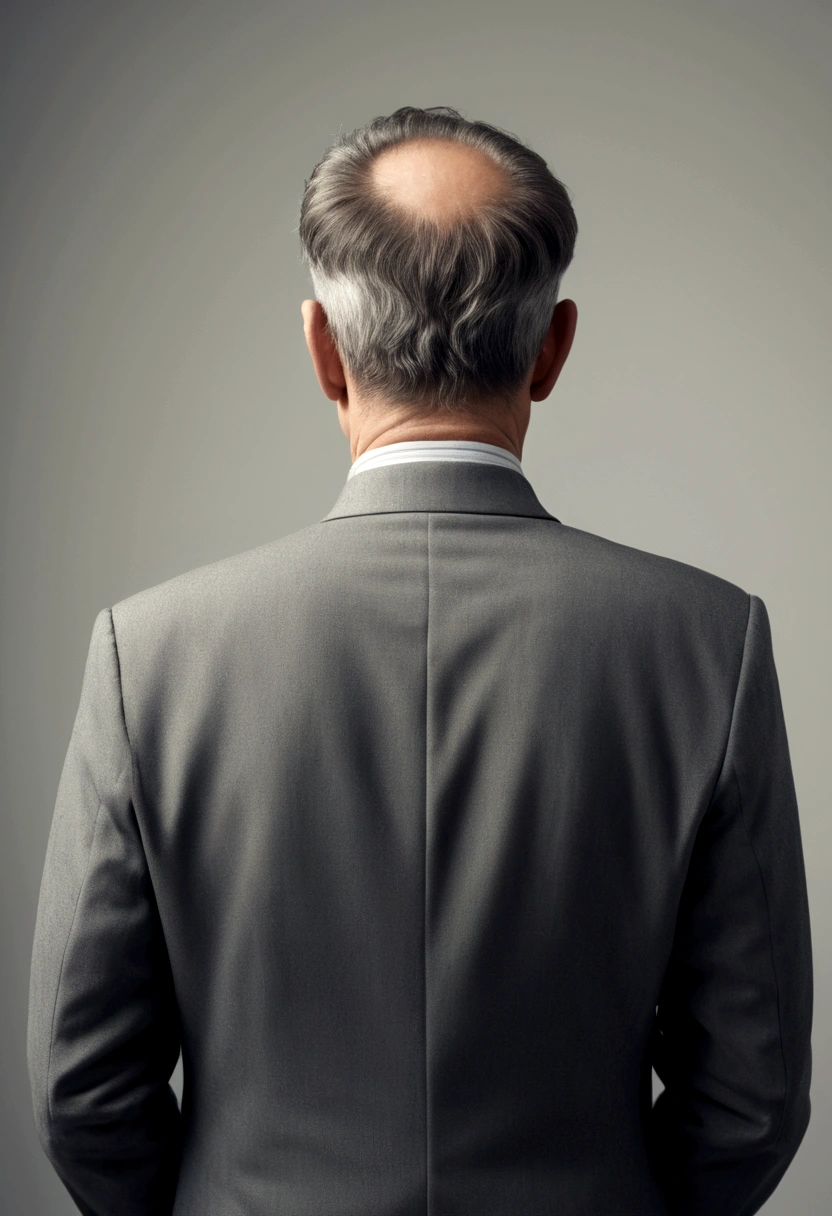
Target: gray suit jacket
(424, 831)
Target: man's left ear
(553, 353)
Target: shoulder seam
(730, 730)
(120, 686)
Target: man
(426, 830)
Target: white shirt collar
(435, 449)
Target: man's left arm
(103, 1034)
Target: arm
(103, 1034)
(732, 1032)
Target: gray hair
(433, 313)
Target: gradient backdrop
(159, 411)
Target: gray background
(159, 410)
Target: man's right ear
(325, 358)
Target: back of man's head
(436, 248)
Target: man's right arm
(734, 1018)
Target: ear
(556, 346)
(325, 358)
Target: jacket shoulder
(646, 574)
(606, 571)
(220, 586)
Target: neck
(502, 425)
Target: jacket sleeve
(733, 1024)
(103, 1031)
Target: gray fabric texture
(425, 831)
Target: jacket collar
(457, 486)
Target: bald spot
(439, 179)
